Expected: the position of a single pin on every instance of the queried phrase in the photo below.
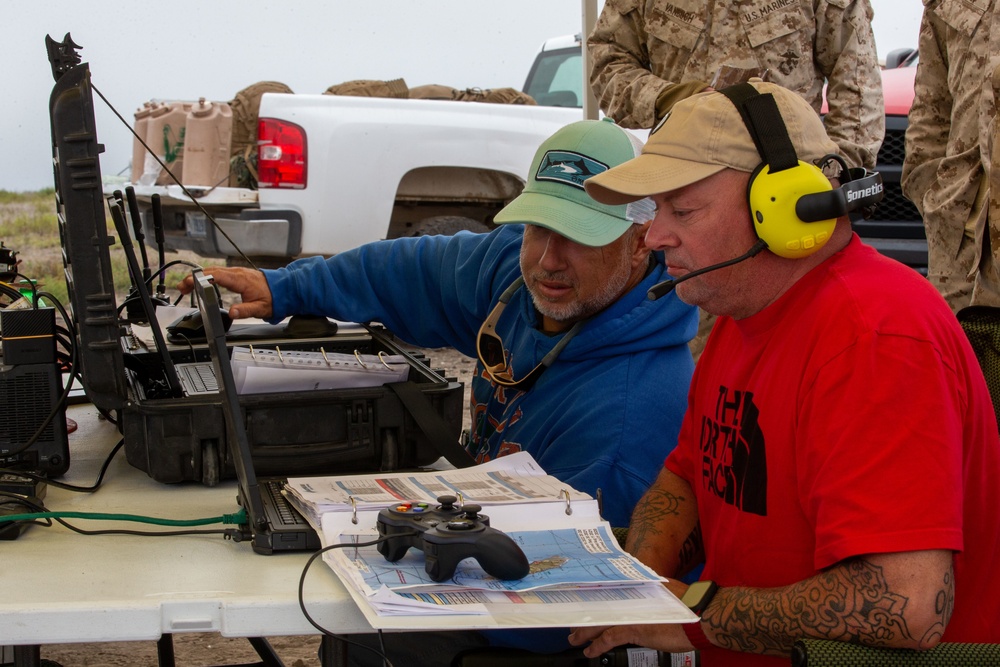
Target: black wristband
(699, 594)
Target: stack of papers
(578, 575)
(514, 479)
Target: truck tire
(447, 225)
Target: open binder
(579, 575)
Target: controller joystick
(447, 535)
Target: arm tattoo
(649, 521)
(650, 514)
(944, 604)
(850, 602)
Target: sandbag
(495, 96)
(433, 91)
(395, 88)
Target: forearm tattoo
(850, 602)
(652, 514)
(651, 519)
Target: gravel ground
(209, 649)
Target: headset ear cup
(772, 199)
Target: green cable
(238, 518)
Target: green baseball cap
(554, 196)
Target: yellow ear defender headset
(793, 205)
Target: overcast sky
(139, 50)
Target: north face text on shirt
(734, 458)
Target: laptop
(273, 524)
(195, 378)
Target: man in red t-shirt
(837, 467)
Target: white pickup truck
(368, 168)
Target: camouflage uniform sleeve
(988, 231)
(620, 77)
(929, 118)
(846, 55)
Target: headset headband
(764, 123)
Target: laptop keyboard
(286, 513)
(198, 378)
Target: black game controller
(447, 535)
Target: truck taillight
(281, 154)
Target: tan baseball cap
(702, 135)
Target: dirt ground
(190, 650)
(210, 649)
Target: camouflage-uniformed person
(946, 171)
(987, 289)
(644, 48)
(648, 54)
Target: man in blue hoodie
(607, 408)
(575, 364)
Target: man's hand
(727, 76)
(248, 283)
(668, 637)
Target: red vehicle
(896, 229)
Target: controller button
(461, 524)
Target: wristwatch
(699, 594)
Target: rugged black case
(184, 439)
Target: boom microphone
(667, 286)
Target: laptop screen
(215, 333)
